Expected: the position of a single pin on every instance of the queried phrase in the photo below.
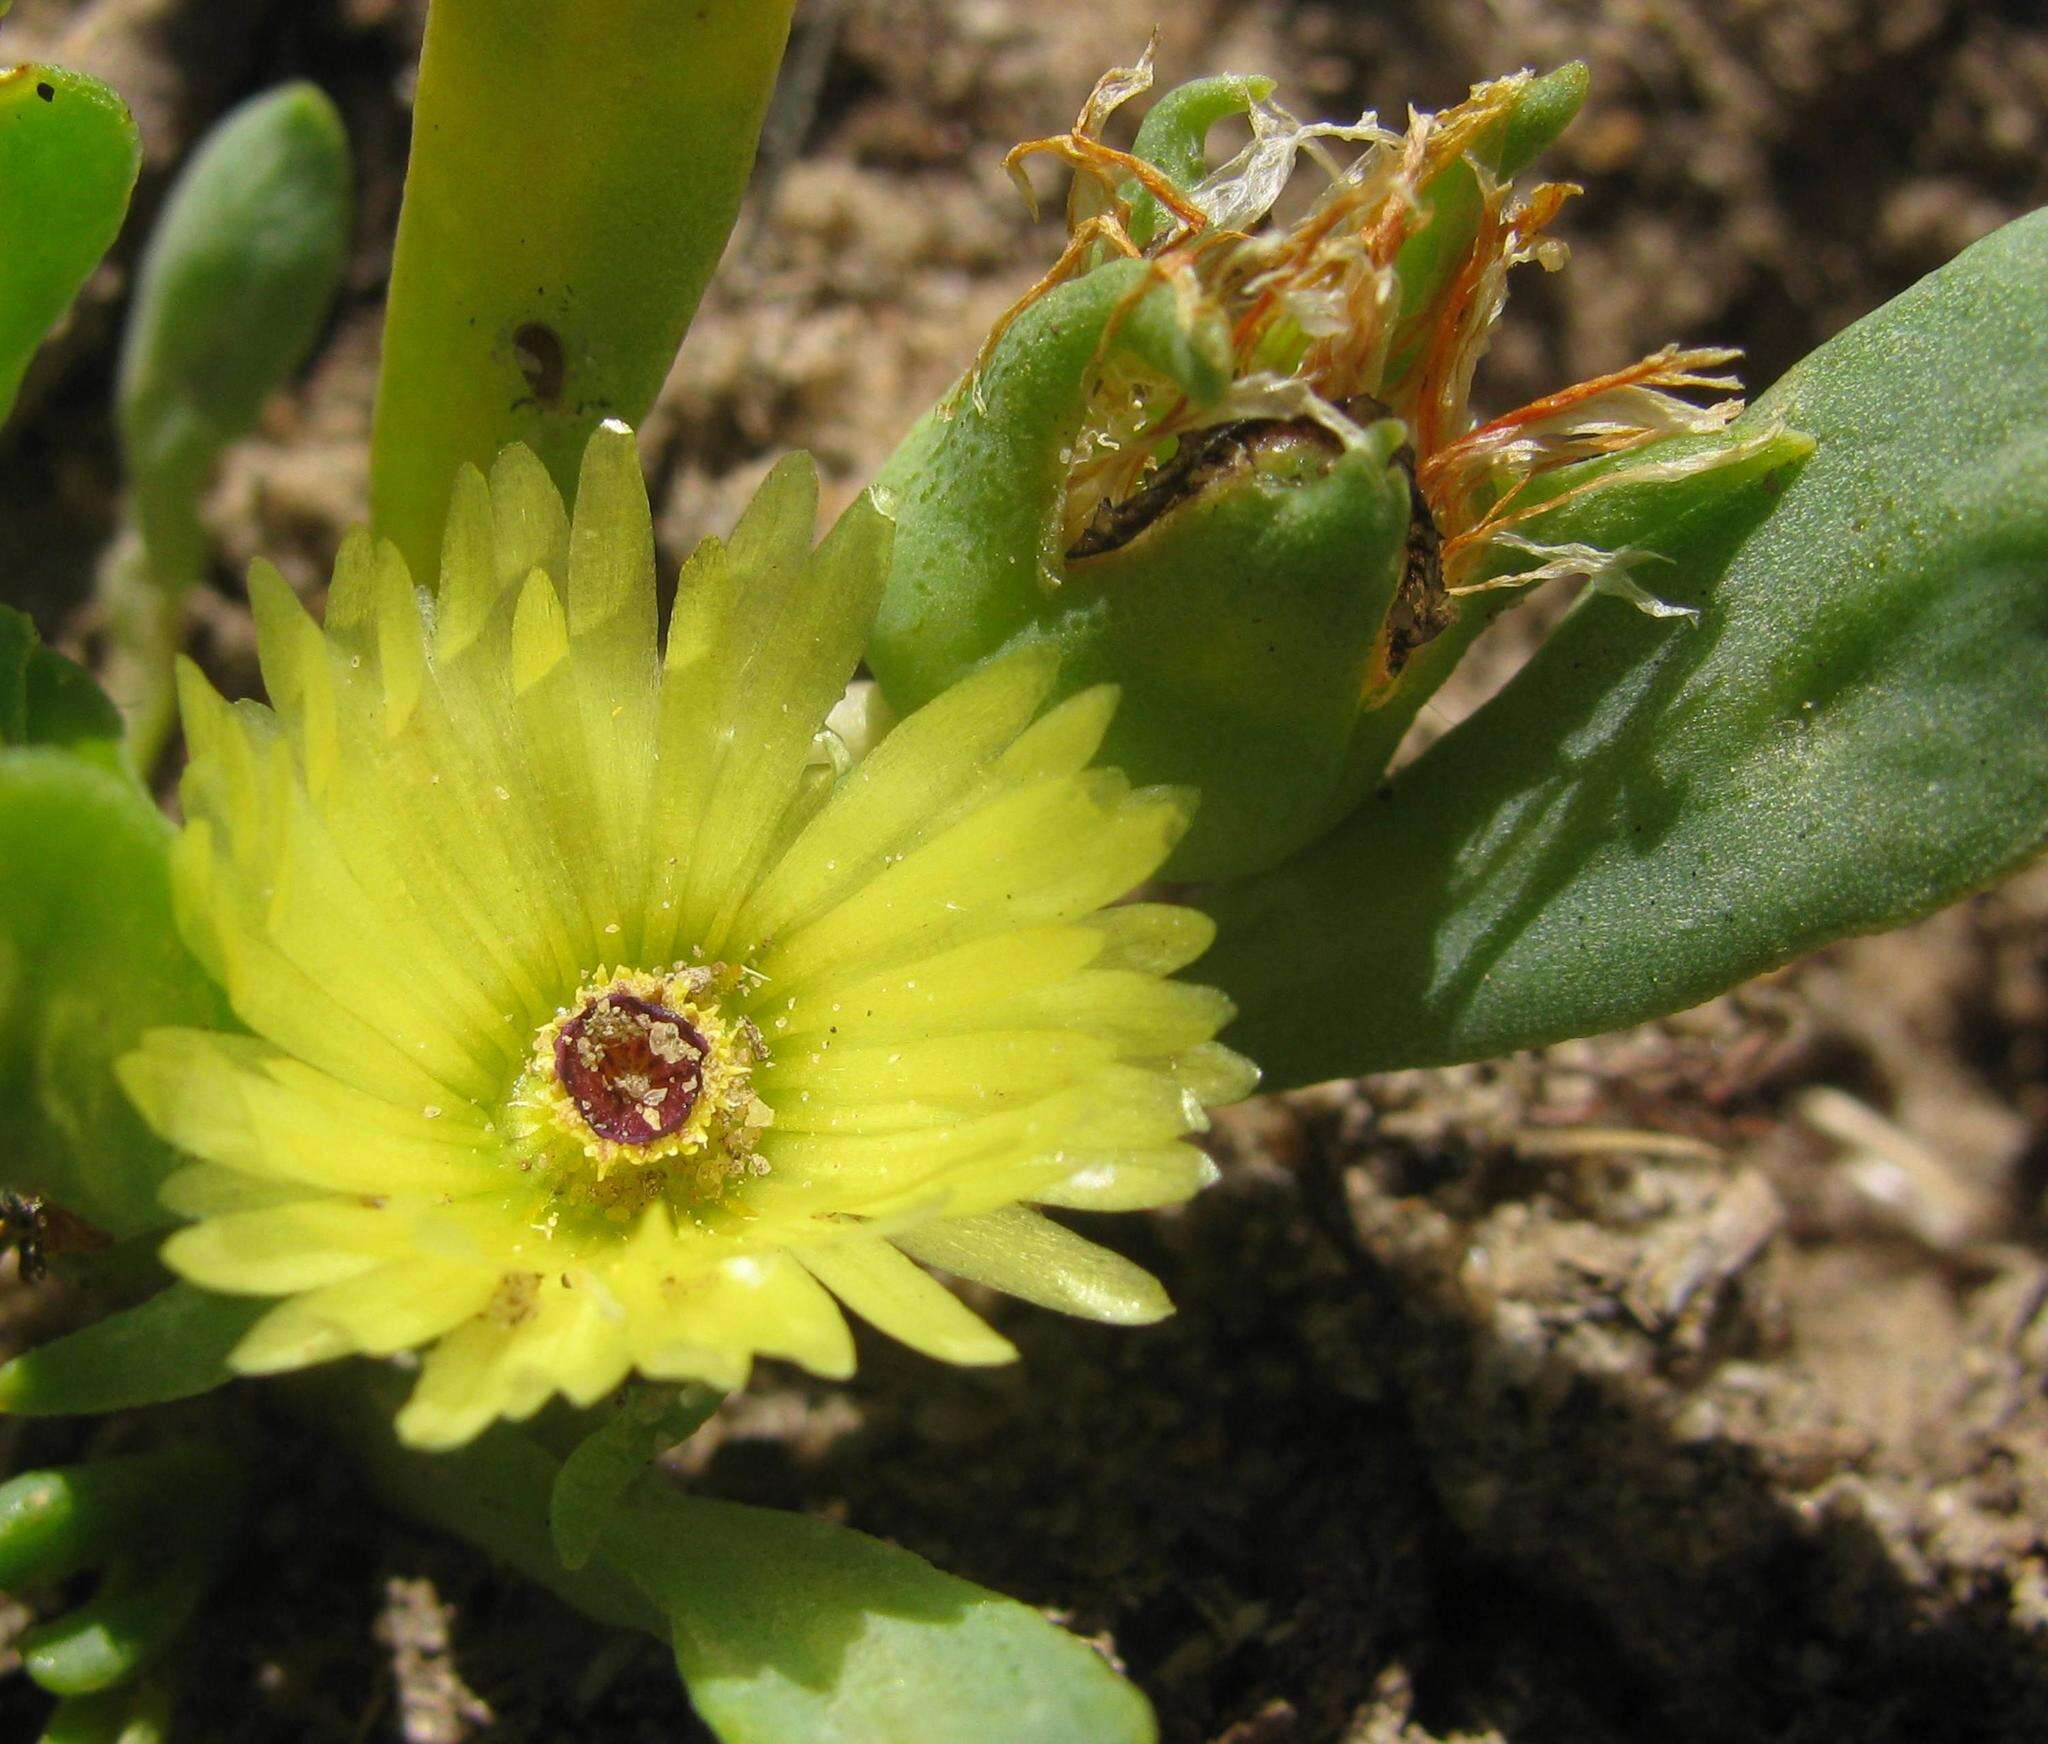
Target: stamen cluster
(641, 1089)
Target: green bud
(1231, 604)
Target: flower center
(641, 1089)
(633, 1067)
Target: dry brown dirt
(1685, 1384)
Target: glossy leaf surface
(1851, 735)
(240, 271)
(790, 1630)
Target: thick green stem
(145, 624)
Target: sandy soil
(1685, 1384)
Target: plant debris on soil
(1683, 1384)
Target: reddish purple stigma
(632, 1067)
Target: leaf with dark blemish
(537, 348)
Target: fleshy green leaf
(238, 277)
(787, 1630)
(790, 1630)
(89, 959)
(576, 168)
(68, 160)
(1852, 735)
(172, 1346)
(53, 1524)
(602, 1467)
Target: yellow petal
(463, 1387)
(1133, 1180)
(1025, 1254)
(208, 1190)
(743, 702)
(931, 995)
(1051, 851)
(470, 585)
(376, 1313)
(896, 1297)
(285, 1249)
(248, 1107)
(529, 527)
(611, 629)
(890, 799)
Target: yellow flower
(602, 1020)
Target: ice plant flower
(604, 1017)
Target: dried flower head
(605, 1019)
(1374, 300)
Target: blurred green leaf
(172, 1346)
(576, 168)
(157, 1525)
(68, 161)
(47, 700)
(237, 280)
(140, 1608)
(54, 1524)
(138, 1714)
(1852, 735)
(89, 959)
